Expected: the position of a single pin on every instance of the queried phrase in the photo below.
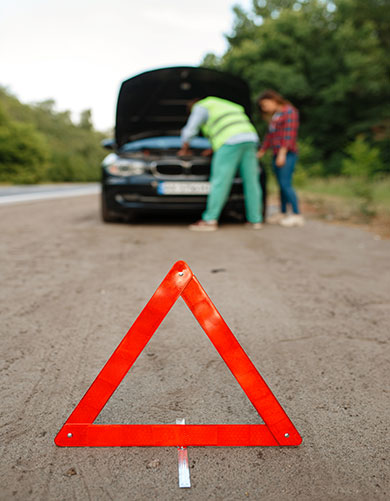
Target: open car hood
(154, 103)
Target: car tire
(130, 216)
(107, 216)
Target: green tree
(70, 152)
(23, 152)
(86, 120)
(328, 58)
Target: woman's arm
(281, 157)
(264, 146)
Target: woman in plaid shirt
(282, 139)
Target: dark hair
(272, 94)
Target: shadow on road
(176, 219)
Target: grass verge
(350, 201)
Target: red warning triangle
(79, 429)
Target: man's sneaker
(204, 226)
(293, 220)
(276, 218)
(255, 226)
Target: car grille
(181, 168)
(169, 169)
(200, 170)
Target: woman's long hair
(274, 96)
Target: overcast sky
(77, 52)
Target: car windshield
(165, 142)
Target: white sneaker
(254, 226)
(202, 225)
(276, 218)
(292, 220)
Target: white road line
(32, 197)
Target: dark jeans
(284, 176)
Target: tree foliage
(329, 58)
(23, 152)
(37, 143)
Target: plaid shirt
(282, 130)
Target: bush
(23, 152)
(39, 144)
(309, 159)
(361, 165)
(363, 160)
(300, 175)
(68, 167)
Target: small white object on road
(184, 469)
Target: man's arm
(199, 116)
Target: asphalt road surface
(310, 306)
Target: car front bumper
(140, 194)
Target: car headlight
(126, 167)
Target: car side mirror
(109, 144)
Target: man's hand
(207, 153)
(281, 157)
(184, 150)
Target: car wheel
(130, 216)
(107, 216)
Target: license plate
(185, 188)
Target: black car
(143, 173)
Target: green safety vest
(226, 119)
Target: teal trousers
(224, 165)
